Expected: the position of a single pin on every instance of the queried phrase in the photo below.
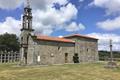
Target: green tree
(106, 54)
(9, 42)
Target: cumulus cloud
(46, 18)
(10, 4)
(74, 27)
(81, 0)
(43, 4)
(103, 43)
(51, 19)
(110, 24)
(110, 6)
(53, 16)
(10, 25)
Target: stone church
(45, 50)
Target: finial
(28, 3)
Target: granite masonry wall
(86, 48)
(48, 52)
(51, 52)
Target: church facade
(45, 50)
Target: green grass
(83, 71)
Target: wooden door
(66, 57)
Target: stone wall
(51, 52)
(48, 52)
(86, 48)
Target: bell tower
(25, 32)
(27, 18)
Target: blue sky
(96, 18)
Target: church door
(76, 58)
(66, 57)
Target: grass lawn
(83, 71)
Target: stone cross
(28, 3)
(111, 53)
(111, 63)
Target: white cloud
(46, 19)
(43, 4)
(103, 43)
(110, 24)
(51, 19)
(81, 0)
(10, 25)
(10, 4)
(74, 27)
(52, 16)
(111, 6)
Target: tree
(106, 54)
(9, 42)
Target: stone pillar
(22, 56)
(111, 54)
(31, 60)
(15, 56)
(18, 57)
(8, 57)
(0, 58)
(5, 58)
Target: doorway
(66, 57)
(76, 58)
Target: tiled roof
(47, 38)
(78, 35)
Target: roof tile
(78, 35)
(47, 38)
